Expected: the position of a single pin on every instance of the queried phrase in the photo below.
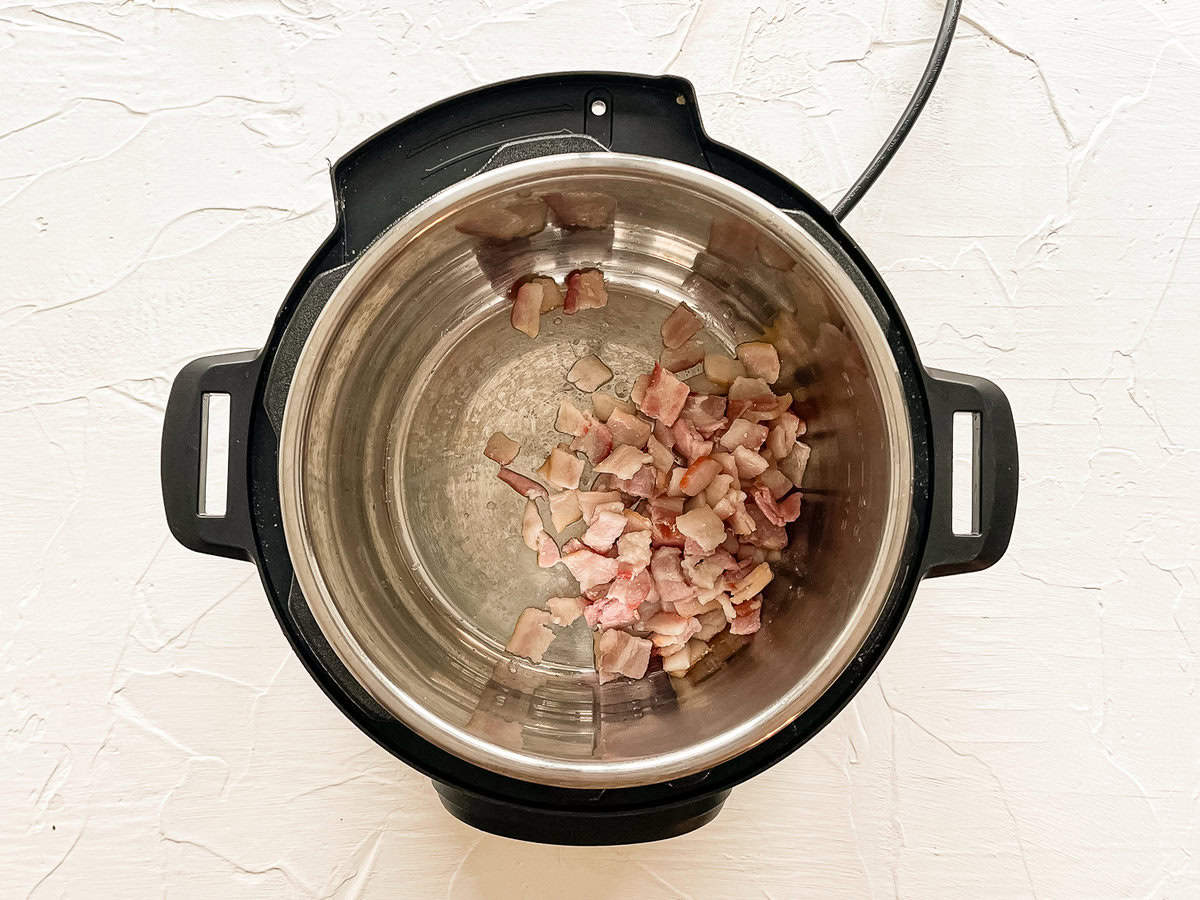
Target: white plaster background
(1035, 729)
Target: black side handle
(230, 535)
(995, 481)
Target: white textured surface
(1036, 728)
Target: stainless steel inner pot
(407, 547)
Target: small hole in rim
(599, 107)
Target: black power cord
(937, 59)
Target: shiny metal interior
(407, 547)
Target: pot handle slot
(184, 455)
(994, 470)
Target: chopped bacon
(643, 483)
(743, 434)
(629, 429)
(633, 551)
(717, 489)
(590, 568)
(603, 406)
(526, 313)
(531, 526)
(501, 448)
(749, 389)
(679, 358)
(635, 521)
(585, 290)
(526, 487)
(721, 370)
(631, 590)
(790, 507)
(606, 527)
(688, 441)
(783, 435)
(562, 469)
(794, 464)
(749, 463)
(591, 501)
(776, 482)
(664, 435)
(531, 635)
(760, 359)
(548, 554)
(582, 209)
(608, 612)
(588, 373)
(733, 240)
(564, 509)
(664, 397)
(624, 461)
(595, 442)
(505, 222)
(570, 420)
(678, 663)
(565, 610)
(747, 624)
(618, 653)
(704, 411)
(712, 623)
(679, 327)
(703, 526)
(699, 475)
(766, 534)
(638, 392)
(661, 457)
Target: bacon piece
(750, 389)
(704, 411)
(701, 384)
(678, 663)
(760, 359)
(702, 526)
(624, 461)
(783, 434)
(699, 475)
(748, 623)
(565, 610)
(776, 482)
(501, 448)
(712, 623)
(582, 209)
(664, 397)
(766, 534)
(679, 327)
(585, 290)
(638, 392)
(721, 370)
(526, 487)
(794, 464)
(564, 509)
(603, 406)
(790, 507)
(753, 583)
(629, 429)
(570, 420)
(526, 313)
(531, 635)
(717, 489)
(609, 613)
(548, 555)
(505, 222)
(635, 521)
(589, 373)
(688, 441)
(590, 568)
(643, 483)
(631, 590)
(733, 240)
(661, 457)
(679, 358)
(606, 527)
(633, 551)
(531, 526)
(595, 442)
(743, 434)
(749, 463)
(618, 653)
(591, 501)
(562, 469)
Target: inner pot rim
(408, 710)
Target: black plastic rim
(379, 181)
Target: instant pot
(390, 552)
